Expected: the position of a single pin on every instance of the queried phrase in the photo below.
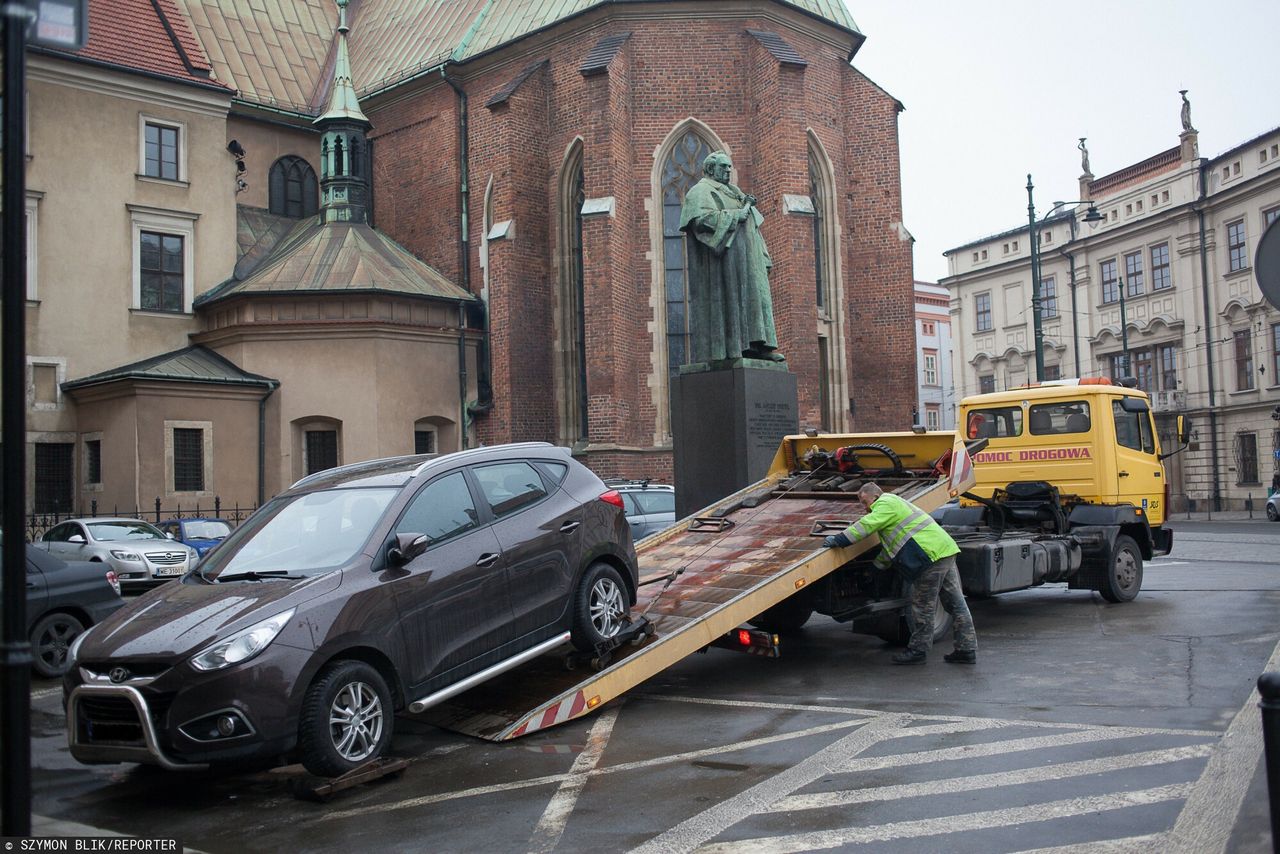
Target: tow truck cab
(1070, 487)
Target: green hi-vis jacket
(910, 540)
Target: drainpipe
(462, 375)
(262, 443)
(1208, 340)
(484, 389)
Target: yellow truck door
(1139, 473)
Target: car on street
(348, 596)
(138, 551)
(651, 507)
(202, 533)
(1273, 507)
(64, 599)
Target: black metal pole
(1037, 323)
(1269, 688)
(15, 650)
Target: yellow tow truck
(1069, 487)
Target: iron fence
(1204, 506)
(38, 523)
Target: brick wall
(762, 110)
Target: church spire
(344, 150)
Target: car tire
(50, 639)
(346, 719)
(1272, 514)
(599, 606)
(1123, 576)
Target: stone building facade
(935, 384)
(527, 159)
(1167, 274)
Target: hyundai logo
(118, 674)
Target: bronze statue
(731, 309)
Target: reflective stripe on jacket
(898, 521)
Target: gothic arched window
(292, 188)
(681, 170)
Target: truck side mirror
(1134, 404)
(1184, 429)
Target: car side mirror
(169, 535)
(76, 538)
(406, 548)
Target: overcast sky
(996, 89)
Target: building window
(188, 456)
(33, 231)
(163, 258)
(321, 449)
(1167, 362)
(1110, 282)
(188, 460)
(932, 416)
(1244, 359)
(930, 367)
(1160, 278)
(982, 312)
(577, 320)
(1052, 372)
(292, 188)
(54, 486)
(986, 383)
(682, 169)
(1275, 355)
(1246, 447)
(1236, 246)
(1046, 236)
(161, 270)
(1049, 297)
(928, 328)
(1270, 215)
(984, 254)
(1142, 370)
(1117, 365)
(1133, 274)
(424, 441)
(163, 152)
(92, 462)
(975, 258)
(817, 192)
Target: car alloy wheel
(608, 604)
(600, 607)
(50, 640)
(355, 721)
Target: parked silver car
(1273, 507)
(140, 554)
(650, 507)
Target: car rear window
(1059, 418)
(555, 472)
(658, 501)
(509, 487)
(994, 423)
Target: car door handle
(488, 559)
(1124, 474)
(569, 527)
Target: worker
(925, 555)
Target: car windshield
(301, 534)
(112, 531)
(206, 529)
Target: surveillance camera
(241, 185)
(235, 148)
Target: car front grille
(104, 719)
(166, 558)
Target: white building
(1168, 272)
(935, 385)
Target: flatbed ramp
(731, 573)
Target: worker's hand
(837, 541)
(831, 543)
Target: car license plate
(166, 571)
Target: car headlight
(121, 554)
(243, 645)
(74, 649)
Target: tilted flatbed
(735, 560)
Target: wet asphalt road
(1083, 722)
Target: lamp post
(1033, 228)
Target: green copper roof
(343, 103)
(336, 258)
(190, 364)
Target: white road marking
(1168, 563)
(45, 692)
(1061, 771)
(1205, 823)
(950, 824)
(714, 821)
(1127, 845)
(546, 836)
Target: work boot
(961, 656)
(910, 656)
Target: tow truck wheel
(1123, 579)
(598, 607)
(346, 719)
(899, 632)
(787, 616)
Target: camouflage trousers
(941, 581)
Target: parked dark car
(353, 593)
(202, 533)
(64, 599)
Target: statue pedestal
(726, 425)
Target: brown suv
(352, 594)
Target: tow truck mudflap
(877, 608)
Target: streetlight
(1091, 215)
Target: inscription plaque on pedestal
(726, 426)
